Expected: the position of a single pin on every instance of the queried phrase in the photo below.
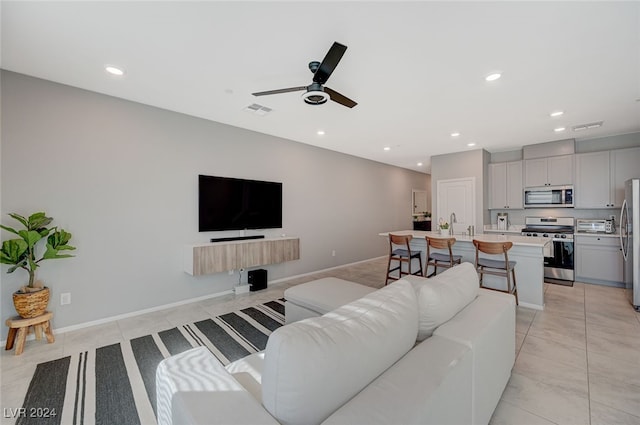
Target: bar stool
(504, 268)
(402, 255)
(437, 259)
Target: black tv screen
(236, 204)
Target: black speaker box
(257, 279)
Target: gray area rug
(115, 384)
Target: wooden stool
(437, 259)
(504, 268)
(402, 255)
(21, 327)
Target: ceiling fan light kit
(315, 97)
(316, 93)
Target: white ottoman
(320, 296)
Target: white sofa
(419, 351)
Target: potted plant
(444, 226)
(31, 300)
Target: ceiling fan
(316, 92)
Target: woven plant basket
(31, 304)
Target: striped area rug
(115, 384)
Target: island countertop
(486, 237)
(527, 252)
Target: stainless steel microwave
(548, 197)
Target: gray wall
(122, 177)
(460, 165)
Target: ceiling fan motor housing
(315, 94)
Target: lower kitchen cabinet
(598, 259)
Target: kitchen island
(526, 251)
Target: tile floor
(578, 361)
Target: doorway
(457, 196)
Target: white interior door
(457, 196)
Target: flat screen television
(226, 203)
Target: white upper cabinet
(505, 184)
(551, 171)
(600, 177)
(593, 188)
(625, 165)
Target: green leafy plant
(443, 224)
(21, 252)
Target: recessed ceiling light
(320, 132)
(493, 77)
(455, 134)
(419, 164)
(387, 148)
(559, 129)
(113, 70)
(556, 114)
(471, 144)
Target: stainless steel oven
(548, 197)
(559, 252)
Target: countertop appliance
(630, 240)
(548, 197)
(503, 221)
(559, 254)
(584, 225)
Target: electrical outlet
(333, 253)
(231, 272)
(65, 298)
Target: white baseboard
(183, 302)
(132, 314)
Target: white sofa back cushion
(443, 296)
(314, 366)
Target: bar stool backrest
(441, 243)
(400, 240)
(493, 247)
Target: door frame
(471, 180)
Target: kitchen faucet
(452, 219)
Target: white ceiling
(416, 69)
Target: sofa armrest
(193, 387)
(219, 407)
(487, 326)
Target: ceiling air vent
(587, 126)
(257, 109)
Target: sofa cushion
(443, 296)
(314, 366)
(430, 385)
(320, 296)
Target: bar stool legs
(504, 268)
(400, 251)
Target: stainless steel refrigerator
(630, 240)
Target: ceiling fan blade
(329, 63)
(290, 89)
(340, 98)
